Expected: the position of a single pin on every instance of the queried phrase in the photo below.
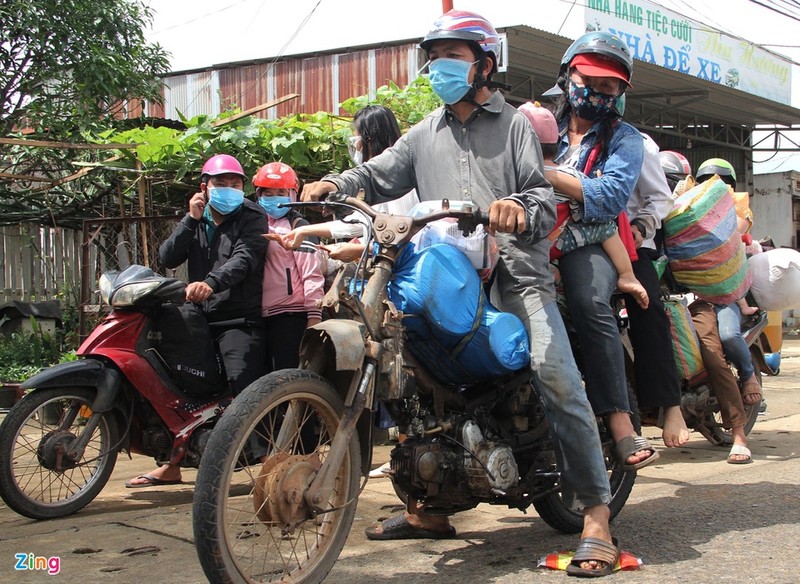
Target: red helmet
(674, 164)
(464, 26)
(222, 164)
(276, 175)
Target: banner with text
(662, 37)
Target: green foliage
(23, 354)
(313, 144)
(409, 104)
(65, 67)
(69, 62)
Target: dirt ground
(691, 517)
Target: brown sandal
(751, 388)
(593, 548)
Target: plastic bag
(776, 279)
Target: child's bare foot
(675, 432)
(748, 310)
(629, 284)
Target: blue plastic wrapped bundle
(451, 327)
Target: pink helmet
(222, 164)
(542, 120)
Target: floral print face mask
(590, 104)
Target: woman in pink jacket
(293, 280)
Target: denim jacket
(606, 197)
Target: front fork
(321, 488)
(103, 403)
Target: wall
(776, 208)
(323, 81)
(773, 197)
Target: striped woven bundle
(685, 346)
(703, 245)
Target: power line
(774, 9)
(281, 52)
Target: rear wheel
(37, 480)
(251, 518)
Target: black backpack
(183, 342)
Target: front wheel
(552, 509)
(251, 519)
(37, 480)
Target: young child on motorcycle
(571, 231)
(293, 280)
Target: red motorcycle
(129, 391)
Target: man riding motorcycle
(462, 48)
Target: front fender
(81, 373)
(344, 339)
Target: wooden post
(141, 186)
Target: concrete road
(691, 518)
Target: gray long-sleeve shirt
(651, 199)
(495, 154)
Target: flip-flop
(150, 482)
(593, 548)
(398, 527)
(631, 445)
(739, 450)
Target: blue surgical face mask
(270, 205)
(225, 200)
(450, 79)
(590, 104)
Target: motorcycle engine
(455, 471)
(157, 441)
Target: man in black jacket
(221, 238)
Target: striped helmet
(464, 26)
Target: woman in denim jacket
(595, 72)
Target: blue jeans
(589, 280)
(729, 319)
(579, 453)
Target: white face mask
(354, 148)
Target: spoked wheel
(712, 427)
(37, 478)
(252, 522)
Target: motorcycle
(285, 515)
(59, 443)
(699, 405)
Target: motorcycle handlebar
(468, 217)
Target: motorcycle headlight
(128, 294)
(107, 286)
